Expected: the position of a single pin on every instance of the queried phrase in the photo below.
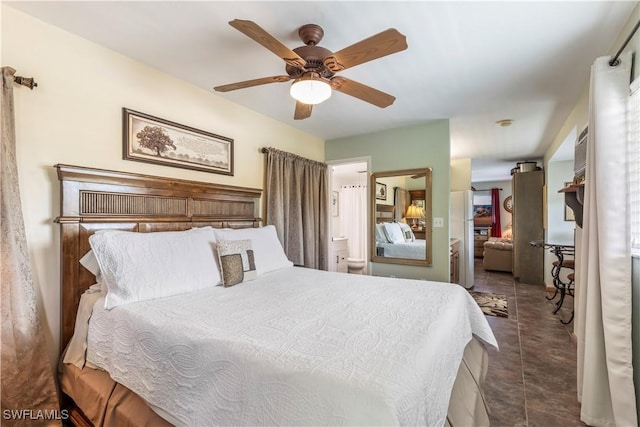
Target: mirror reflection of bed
(398, 239)
(401, 232)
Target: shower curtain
(353, 219)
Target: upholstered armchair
(498, 255)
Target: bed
(396, 239)
(291, 346)
(416, 249)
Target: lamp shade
(414, 211)
(310, 90)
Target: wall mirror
(401, 217)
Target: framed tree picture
(153, 140)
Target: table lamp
(414, 212)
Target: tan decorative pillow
(237, 262)
(407, 233)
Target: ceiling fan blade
(258, 34)
(250, 83)
(303, 111)
(374, 47)
(363, 92)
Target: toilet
(356, 265)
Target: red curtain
(496, 228)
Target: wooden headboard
(95, 199)
(385, 213)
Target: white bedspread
(414, 250)
(294, 347)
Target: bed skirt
(94, 399)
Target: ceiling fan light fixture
(310, 90)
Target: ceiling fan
(313, 68)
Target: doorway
(349, 182)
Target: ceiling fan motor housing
(314, 57)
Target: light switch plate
(438, 222)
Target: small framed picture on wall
(381, 191)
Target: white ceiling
(472, 62)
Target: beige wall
(460, 174)
(74, 117)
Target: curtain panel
(603, 285)
(496, 227)
(297, 204)
(28, 389)
(401, 202)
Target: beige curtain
(298, 206)
(28, 390)
(401, 202)
(603, 299)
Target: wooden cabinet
(480, 235)
(528, 261)
(338, 256)
(455, 261)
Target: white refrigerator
(461, 228)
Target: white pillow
(407, 232)
(90, 262)
(380, 236)
(268, 252)
(393, 232)
(142, 266)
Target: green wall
(418, 146)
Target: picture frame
(381, 191)
(150, 139)
(482, 214)
(335, 199)
(568, 212)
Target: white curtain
(353, 219)
(603, 300)
(27, 377)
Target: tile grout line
(524, 384)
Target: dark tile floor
(532, 379)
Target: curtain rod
(614, 62)
(25, 81)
